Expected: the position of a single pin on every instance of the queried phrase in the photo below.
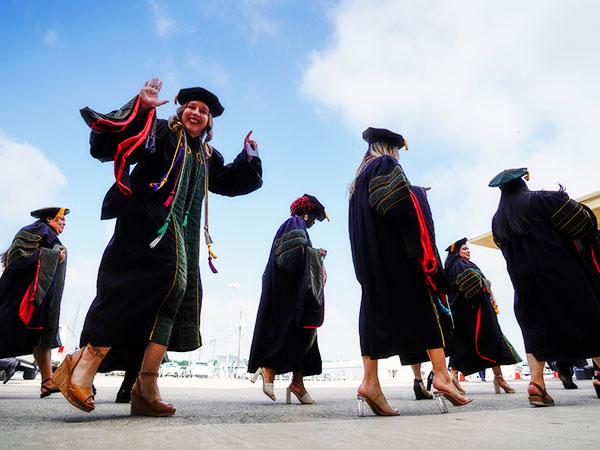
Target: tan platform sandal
(499, 382)
(142, 407)
(76, 395)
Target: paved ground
(212, 414)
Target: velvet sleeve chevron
(289, 249)
(24, 250)
(470, 282)
(387, 192)
(573, 221)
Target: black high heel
(429, 381)
(420, 392)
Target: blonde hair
(375, 150)
(176, 125)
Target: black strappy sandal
(48, 388)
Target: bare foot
(297, 388)
(375, 394)
(148, 389)
(446, 384)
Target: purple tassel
(212, 266)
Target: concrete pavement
(214, 414)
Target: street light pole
(239, 342)
(233, 287)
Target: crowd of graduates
(413, 305)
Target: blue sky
(474, 89)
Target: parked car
(170, 369)
(197, 369)
(584, 373)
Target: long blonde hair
(176, 125)
(375, 150)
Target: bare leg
(148, 386)
(454, 373)
(497, 372)
(43, 360)
(297, 384)
(500, 382)
(442, 380)
(416, 368)
(537, 370)
(371, 388)
(269, 374)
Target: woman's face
(464, 252)
(57, 224)
(195, 117)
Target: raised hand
(149, 94)
(250, 146)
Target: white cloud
(487, 85)
(80, 290)
(51, 37)
(29, 180)
(494, 84)
(256, 18)
(218, 75)
(165, 25)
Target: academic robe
(149, 287)
(479, 342)
(554, 272)
(31, 289)
(396, 265)
(291, 304)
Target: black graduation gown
(149, 294)
(445, 315)
(557, 290)
(478, 339)
(285, 335)
(398, 311)
(31, 289)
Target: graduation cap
(320, 209)
(309, 204)
(187, 95)
(52, 212)
(456, 245)
(372, 135)
(509, 176)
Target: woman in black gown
(550, 245)
(31, 289)
(478, 339)
(291, 305)
(149, 293)
(395, 263)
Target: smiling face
(195, 117)
(57, 224)
(464, 252)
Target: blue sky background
(474, 90)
